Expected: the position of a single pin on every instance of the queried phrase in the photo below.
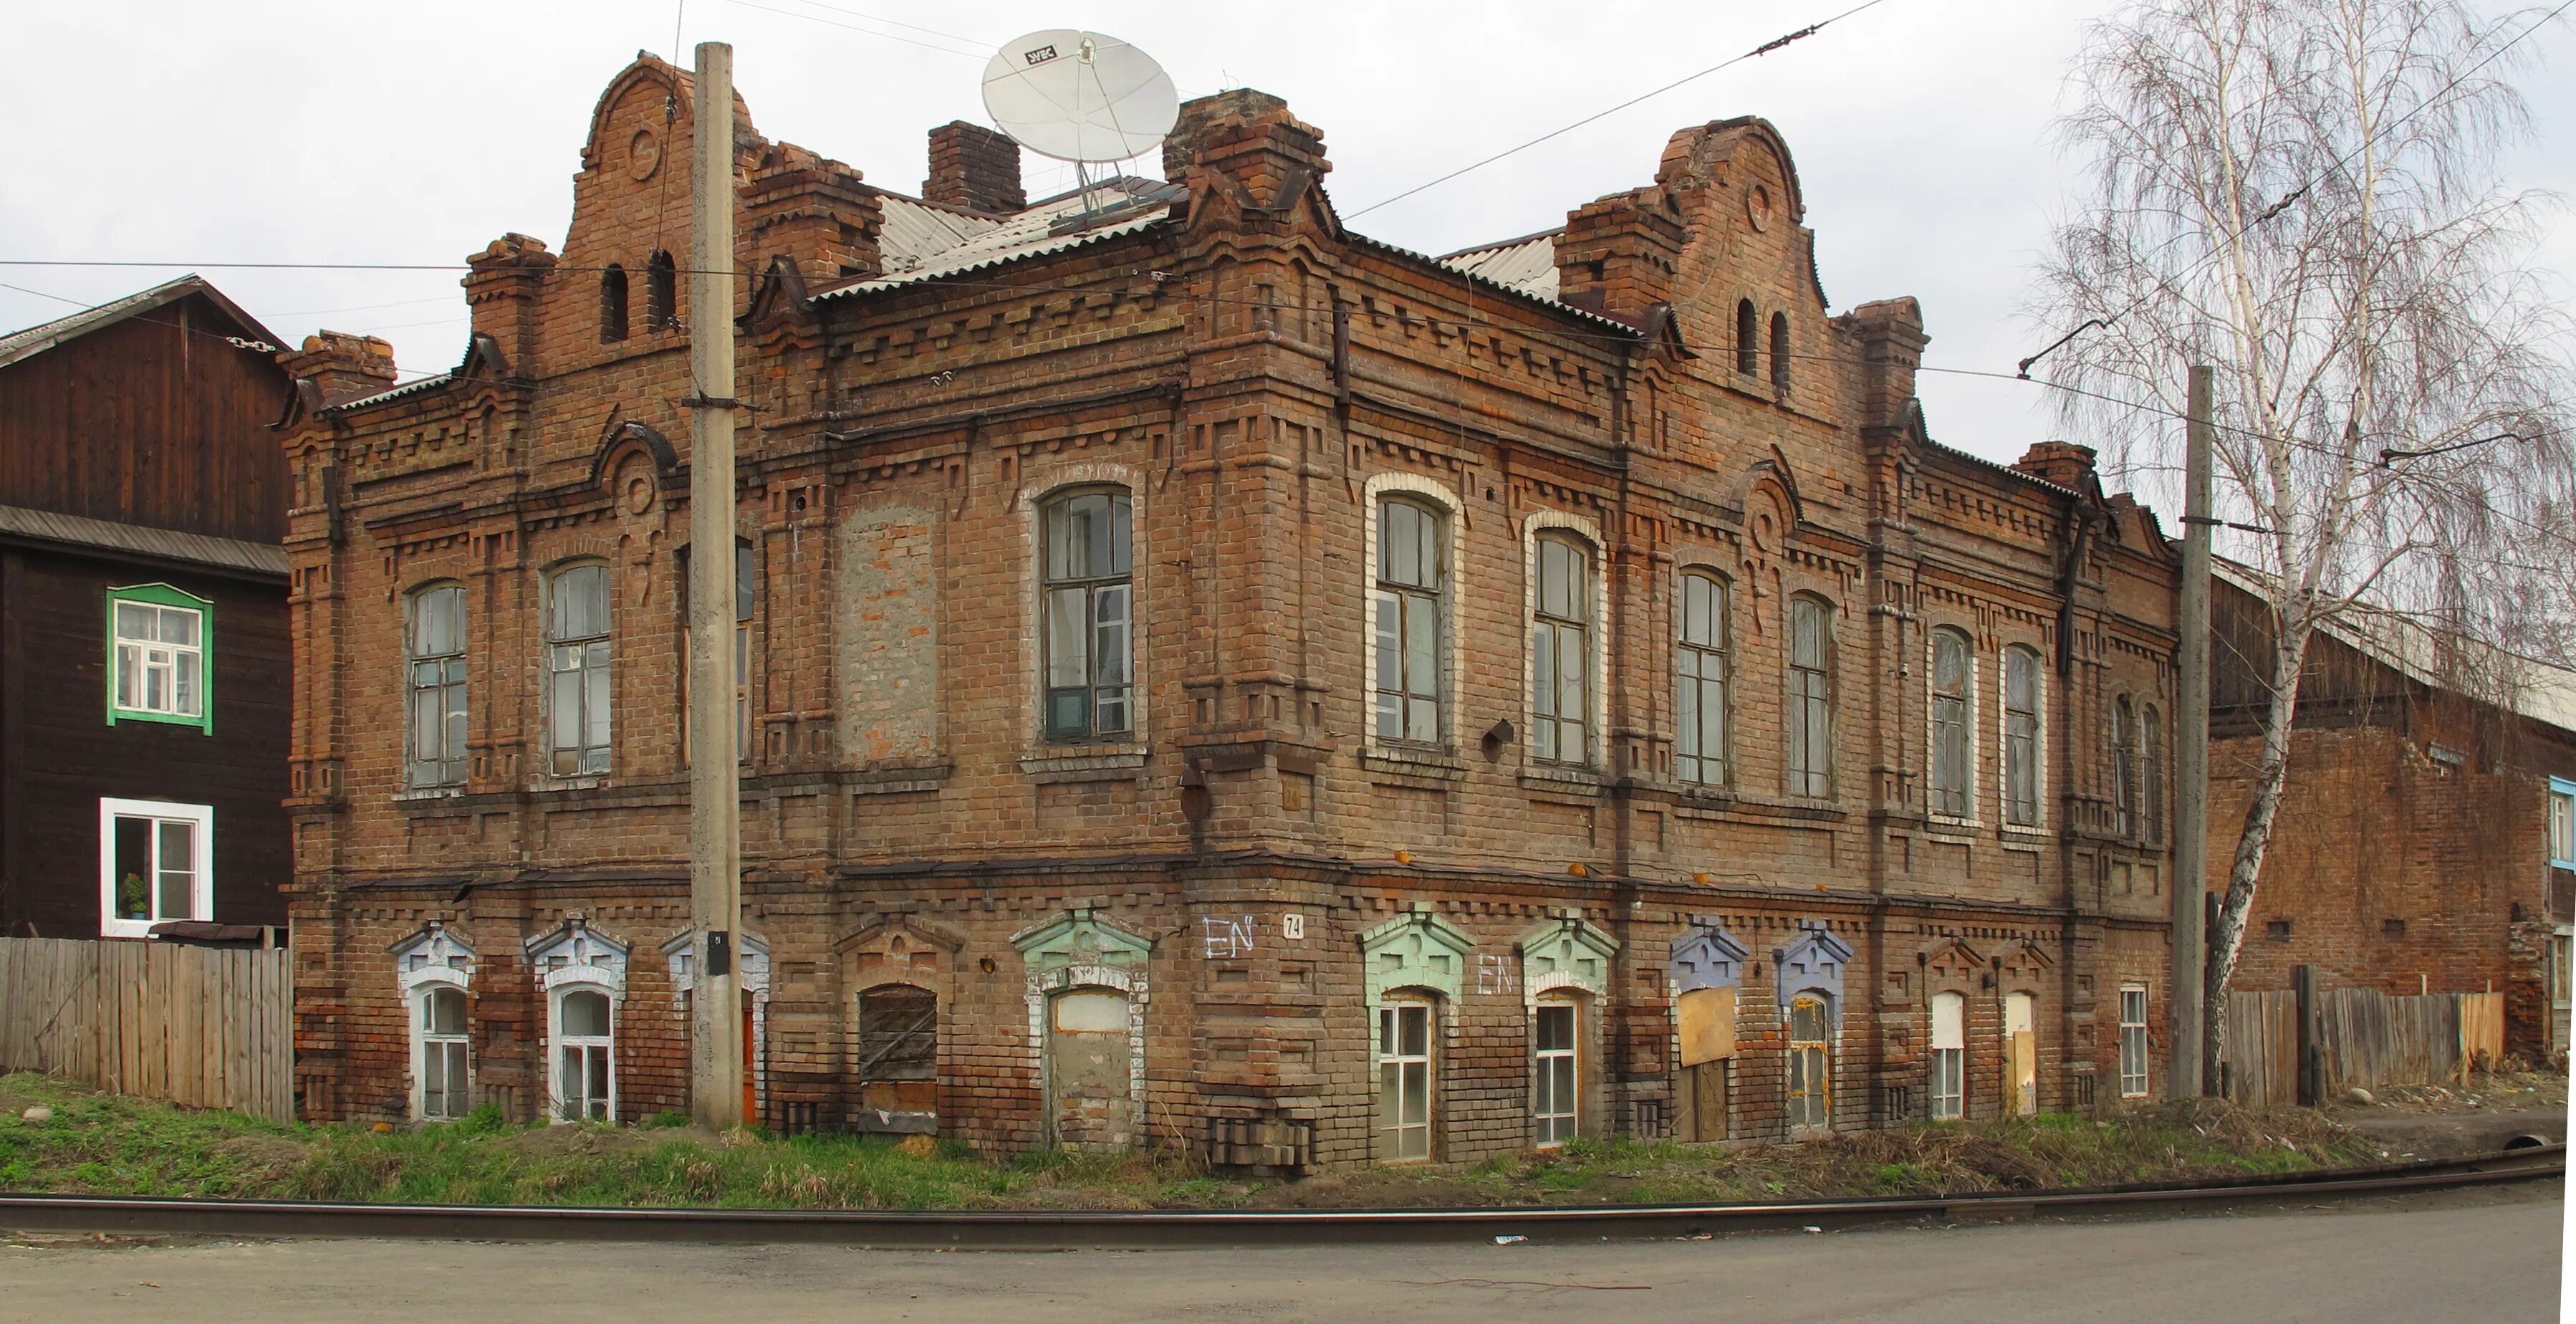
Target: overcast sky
(199, 133)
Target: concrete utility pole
(715, 784)
(2191, 757)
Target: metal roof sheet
(1527, 264)
(165, 544)
(397, 392)
(913, 232)
(44, 336)
(1028, 234)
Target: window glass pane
(585, 1014)
(1570, 673)
(178, 864)
(595, 697)
(581, 602)
(1119, 552)
(1109, 606)
(1068, 713)
(1806, 635)
(571, 1083)
(134, 621)
(746, 581)
(133, 847)
(1422, 720)
(447, 1011)
(1555, 1027)
(1390, 1093)
(156, 680)
(1417, 1093)
(1401, 544)
(178, 626)
(1806, 1019)
(1543, 671)
(1421, 647)
(184, 694)
(129, 676)
(1949, 664)
(1110, 710)
(1417, 1030)
(1068, 660)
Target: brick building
(2426, 839)
(1216, 680)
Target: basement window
(2393, 930)
(2277, 930)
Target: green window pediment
(1081, 937)
(1565, 953)
(160, 656)
(1415, 950)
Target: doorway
(2021, 1054)
(1090, 1101)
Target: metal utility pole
(715, 785)
(2191, 758)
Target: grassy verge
(106, 1144)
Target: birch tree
(2307, 196)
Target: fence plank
(197, 1026)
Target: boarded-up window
(898, 1051)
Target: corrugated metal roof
(37, 339)
(397, 392)
(1527, 264)
(913, 232)
(1028, 234)
(165, 544)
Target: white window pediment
(435, 955)
(575, 953)
(751, 962)
(1566, 953)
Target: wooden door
(1705, 1023)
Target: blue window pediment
(1706, 957)
(1815, 963)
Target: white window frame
(425, 1041)
(1442, 504)
(1949, 1062)
(1966, 814)
(1556, 1075)
(1391, 1146)
(201, 886)
(2134, 1032)
(431, 960)
(557, 1041)
(1596, 636)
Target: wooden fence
(206, 1027)
(2358, 1036)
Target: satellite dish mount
(1082, 97)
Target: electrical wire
(853, 27)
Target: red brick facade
(1182, 932)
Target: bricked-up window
(899, 1050)
(1951, 722)
(2124, 767)
(156, 864)
(1748, 338)
(1089, 606)
(2151, 772)
(446, 1065)
(1407, 607)
(585, 1056)
(612, 303)
(1810, 709)
(1554, 1068)
(1701, 709)
(157, 646)
(1780, 350)
(2133, 1041)
(1811, 1069)
(1404, 1081)
(1949, 1056)
(2021, 736)
(661, 292)
(746, 598)
(577, 657)
(1560, 656)
(435, 649)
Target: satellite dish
(1080, 96)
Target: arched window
(2151, 771)
(1556, 1071)
(1949, 1055)
(1811, 1062)
(2124, 768)
(1560, 656)
(577, 658)
(1810, 704)
(1700, 708)
(1952, 719)
(1748, 338)
(661, 292)
(2021, 736)
(446, 1054)
(1088, 610)
(612, 304)
(434, 649)
(585, 1055)
(1407, 606)
(1780, 350)
(1404, 1039)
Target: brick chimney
(1248, 135)
(2061, 462)
(815, 211)
(1617, 255)
(975, 168)
(501, 290)
(1891, 338)
(341, 366)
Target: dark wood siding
(154, 420)
(59, 756)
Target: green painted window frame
(164, 595)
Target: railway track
(1024, 1230)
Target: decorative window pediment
(753, 959)
(1415, 950)
(576, 953)
(1813, 964)
(1080, 937)
(435, 955)
(1707, 957)
(1566, 953)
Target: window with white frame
(2022, 689)
(434, 647)
(157, 649)
(585, 1044)
(1088, 604)
(1952, 720)
(156, 864)
(1404, 1080)
(1560, 657)
(1810, 707)
(577, 671)
(1700, 659)
(1949, 1056)
(2133, 1041)
(2124, 767)
(1406, 604)
(1556, 1071)
(446, 1054)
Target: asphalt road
(2494, 1259)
